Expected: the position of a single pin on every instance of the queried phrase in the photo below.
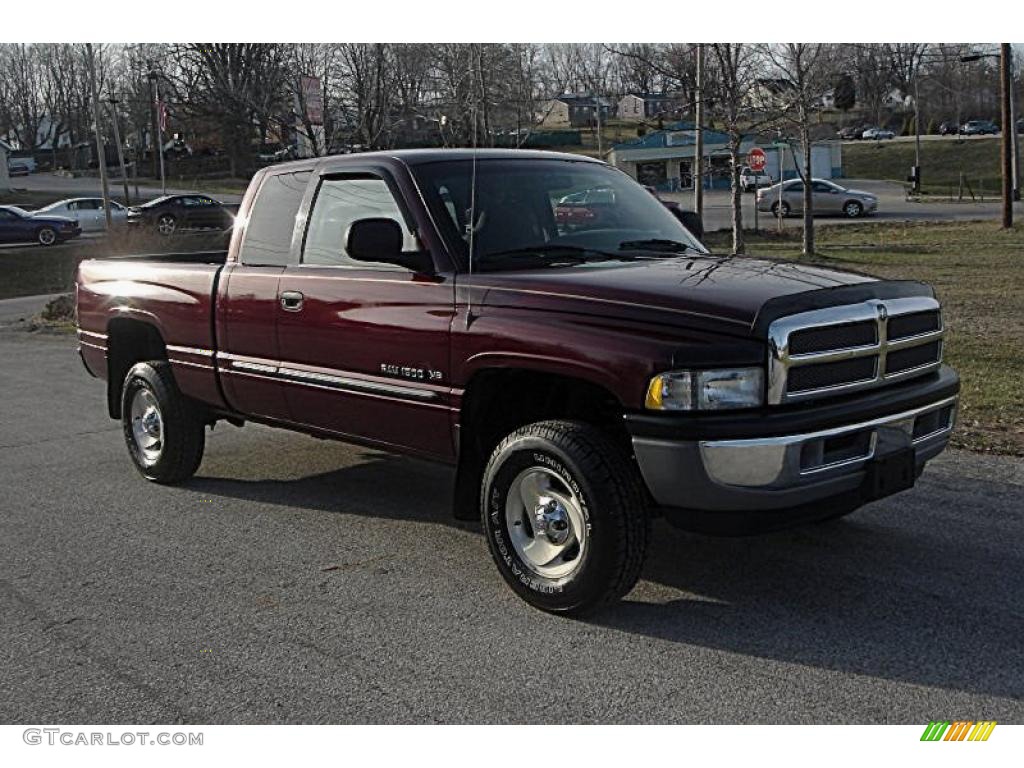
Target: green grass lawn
(941, 163)
(977, 270)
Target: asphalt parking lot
(296, 580)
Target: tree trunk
(738, 245)
(805, 136)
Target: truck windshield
(529, 212)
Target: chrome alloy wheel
(545, 523)
(47, 236)
(147, 426)
(165, 225)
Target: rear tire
(163, 429)
(565, 517)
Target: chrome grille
(851, 347)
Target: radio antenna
(472, 180)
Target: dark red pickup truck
(581, 379)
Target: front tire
(46, 236)
(781, 210)
(853, 209)
(565, 517)
(162, 428)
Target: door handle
(291, 301)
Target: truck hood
(724, 294)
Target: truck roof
(420, 156)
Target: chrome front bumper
(769, 473)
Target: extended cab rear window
(268, 235)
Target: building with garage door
(665, 159)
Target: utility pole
(100, 152)
(154, 80)
(917, 129)
(1009, 132)
(698, 144)
(120, 150)
(597, 114)
(1014, 114)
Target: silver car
(88, 212)
(828, 198)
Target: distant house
(771, 94)
(896, 99)
(637, 107)
(575, 111)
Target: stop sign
(756, 159)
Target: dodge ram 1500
(580, 376)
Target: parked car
(578, 382)
(588, 208)
(877, 134)
(948, 128)
(850, 132)
(979, 128)
(689, 219)
(88, 212)
(18, 169)
(27, 163)
(827, 198)
(751, 180)
(20, 226)
(173, 213)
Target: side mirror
(380, 241)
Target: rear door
(366, 345)
(794, 195)
(248, 308)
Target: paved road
(892, 206)
(304, 581)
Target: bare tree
(735, 67)
(806, 68)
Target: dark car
(979, 128)
(689, 219)
(948, 128)
(20, 226)
(850, 132)
(172, 213)
(18, 169)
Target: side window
(339, 202)
(268, 235)
(820, 186)
(796, 187)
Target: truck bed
(173, 293)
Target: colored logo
(960, 730)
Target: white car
(751, 180)
(88, 212)
(877, 133)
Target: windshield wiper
(658, 244)
(543, 256)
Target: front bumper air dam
(765, 473)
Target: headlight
(706, 390)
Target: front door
(365, 346)
(10, 227)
